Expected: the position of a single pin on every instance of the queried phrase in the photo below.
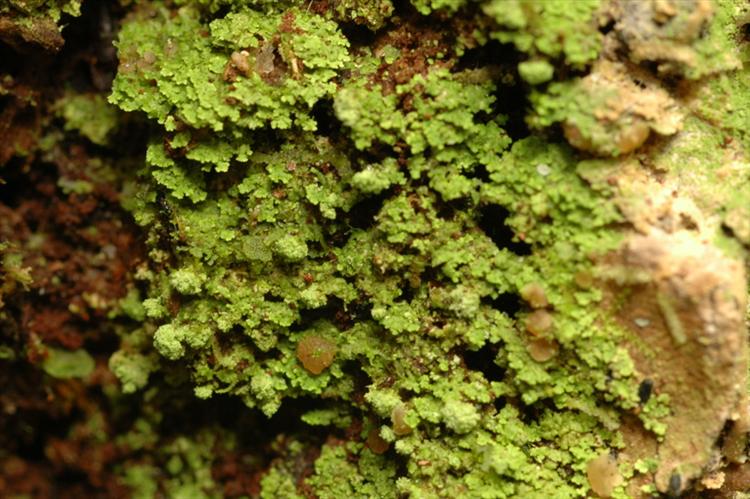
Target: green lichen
(369, 475)
(65, 364)
(54, 9)
(372, 13)
(293, 196)
(132, 369)
(183, 468)
(292, 58)
(692, 38)
(536, 72)
(13, 274)
(288, 266)
(36, 22)
(555, 29)
(428, 6)
(91, 116)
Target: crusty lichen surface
(441, 248)
(27, 24)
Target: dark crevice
(89, 42)
(510, 99)
(131, 138)
(728, 231)
(492, 222)
(725, 431)
(376, 153)
(531, 414)
(402, 468)
(19, 184)
(337, 237)
(508, 303)
(479, 172)
(358, 35)
(255, 429)
(448, 209)
(404, 8)
(407, 294)
(68, 477)
(325, 117)
(361, 381)
(491, 54)
(333, 311)
(512, 103)
(10, 62)
(362, 215)
(27, 430)
(100, 345)
(221, 12)
(608, 27)
(483, 360)
(499, 403)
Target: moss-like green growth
(13, 275)
(556, 29)
(252, 261)
(91, 116)
(246, 70)
(68, 364)
(54, 9)
(470, 308)
(372, 13)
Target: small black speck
(644, 390)
(675, 485)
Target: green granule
(91, 116)
(68, 364)
(553, 29)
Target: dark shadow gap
(324, 115)
(507, 303)
(363, 214)
(358, 35)
(501, 61)
(492, 222)
(483, 360)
